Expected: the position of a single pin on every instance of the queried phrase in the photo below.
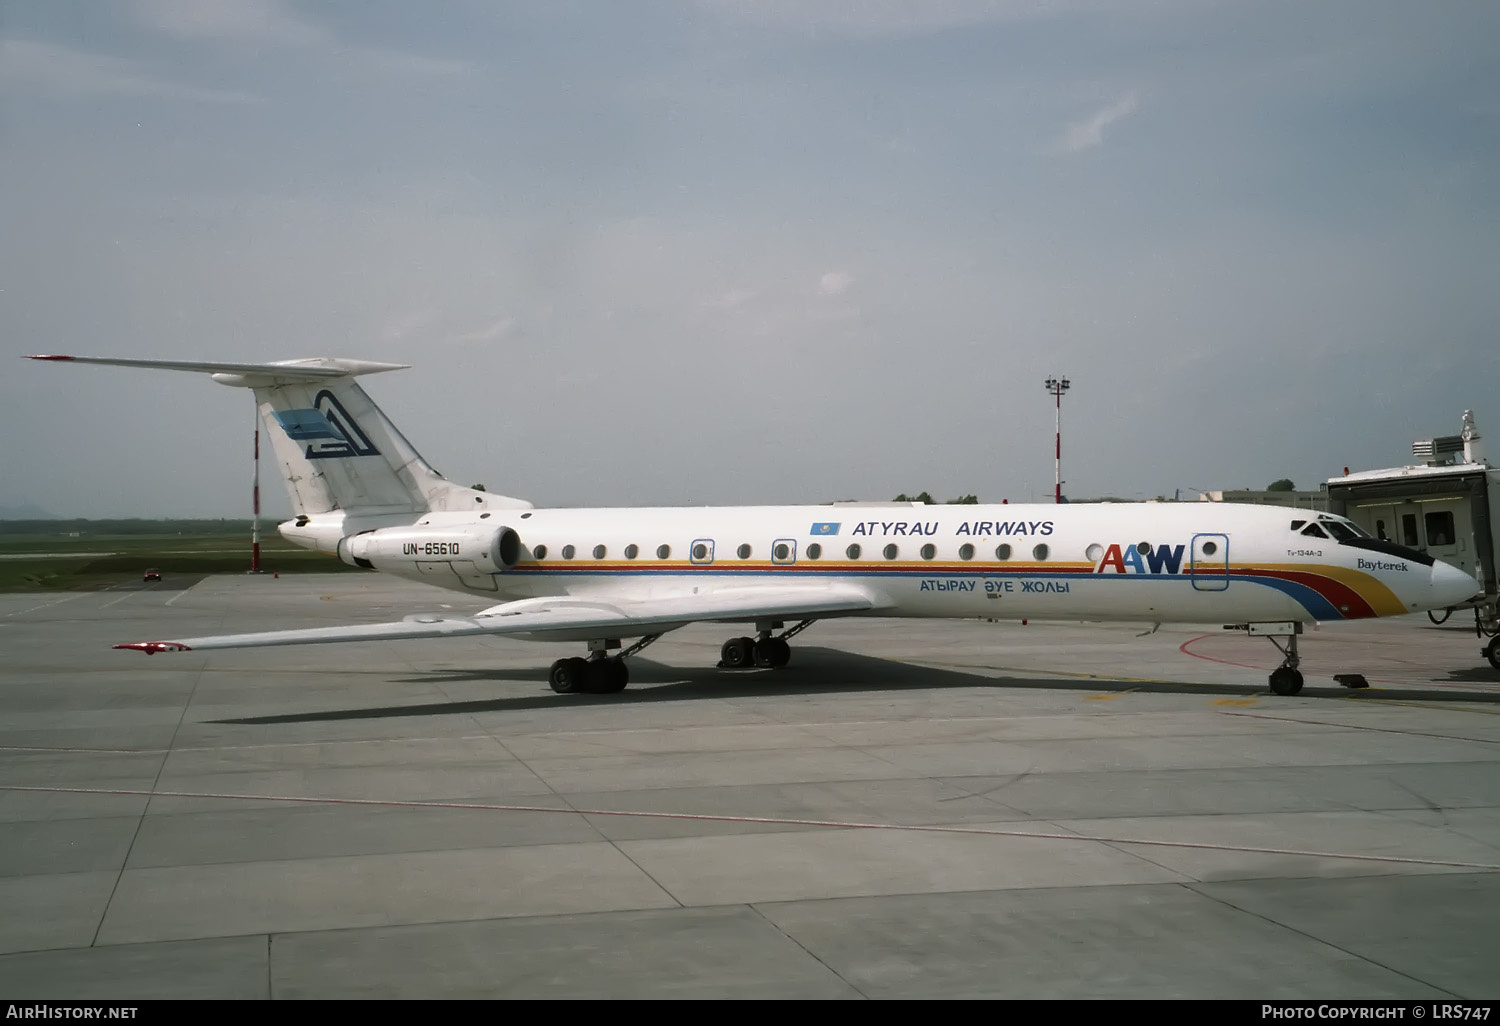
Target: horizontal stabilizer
(305, 370)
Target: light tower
(1057, 386)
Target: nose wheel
(1286, 679)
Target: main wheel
(607, 676)
(737, 653)
(1492, 651)
(569, 676)
(1432, 614)
(1286, 681)
(772, 652)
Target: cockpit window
(1313, 531)
(1342, 532)
(1297, 524)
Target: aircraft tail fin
(337, 450)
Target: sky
(690, 252)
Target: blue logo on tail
(328, 428)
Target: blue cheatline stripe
(1316, 605)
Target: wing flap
(561, 618)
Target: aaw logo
(1141, 559)
(329, 430)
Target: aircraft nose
(1450, 585)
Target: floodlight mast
(1057, 386)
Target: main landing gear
(765, 650)
(599, 674)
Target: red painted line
(1183, 648)
(775, 821)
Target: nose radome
(1451, 586)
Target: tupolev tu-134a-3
(359, 490)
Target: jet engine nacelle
(491, 550)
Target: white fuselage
(1179, 562)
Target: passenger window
(1040, 552)
(852, 551)
(1003, 552)
(539, 553)
(567, 552)
(700, 551)
(1409, 530)
(598, 551)
(743, 551)
(781, 551)
(632, 550)
(1144, 548)
(1313, 531)
(663, 551)
(1440, 528)
(928, 551)
(890, 551)
(966, 552)
(814, 551)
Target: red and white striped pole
(1057, 386)
(255, 497)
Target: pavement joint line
(772, 820)
(1381, 730)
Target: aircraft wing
(568, 618)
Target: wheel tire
(568, 676)
(617, 677)
(1492, 651)
(737, 653)
(1432, 614)
(765, 653)
(1286, 681)
(781, 652)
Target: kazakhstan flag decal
(825, 528)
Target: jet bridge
(1447, 507)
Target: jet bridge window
(1409, 530)
(1440, 528)
(1313, 531)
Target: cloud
(502, 328)
(1086, 134)
(261, 22)
(68, 72)
(256, 21)
(835, 282)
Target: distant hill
(26, 511)
(57, 525)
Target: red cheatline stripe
(775, 821)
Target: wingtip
(50, 357)
(153, 647)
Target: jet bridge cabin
(1446, 507)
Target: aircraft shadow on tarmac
(815, 671)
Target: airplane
(360, 491)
